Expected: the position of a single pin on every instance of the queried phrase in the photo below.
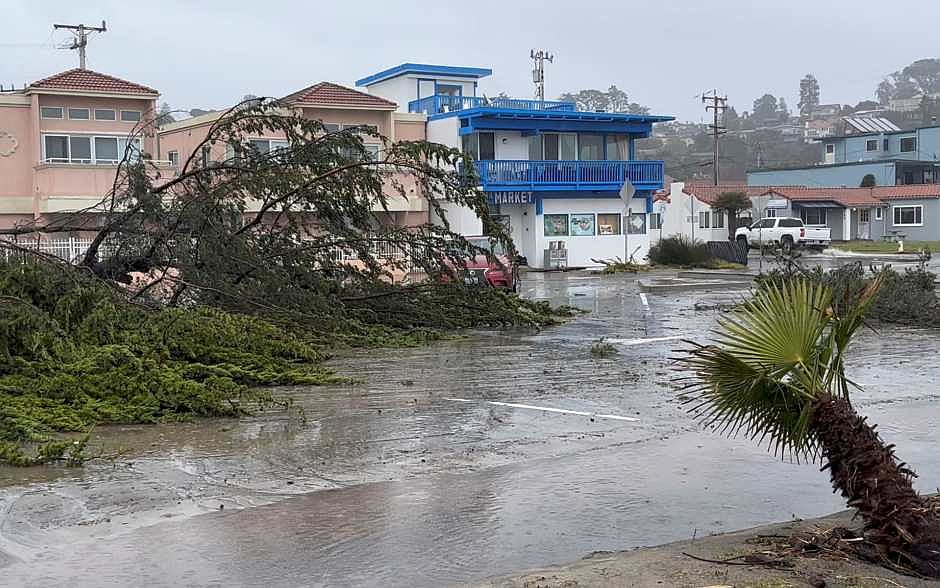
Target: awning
(818, 204)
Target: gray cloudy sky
(663, 52)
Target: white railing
(71, 249)
(68, 161)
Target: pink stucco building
(337, 107)
(61, 139)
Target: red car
(482, 272)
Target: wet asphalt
(477, 456)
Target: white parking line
(630, 342)
(646, 303)
(615, 417)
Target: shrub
(679, 250)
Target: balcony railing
(569, 175)
(441, 103)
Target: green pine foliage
(74, 354)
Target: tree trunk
(867, 473)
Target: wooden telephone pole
(717, 104)
(80, 42)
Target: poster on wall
(637, 224)
(582, 225)
(556, 225)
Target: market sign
(510, 197)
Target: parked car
(783, 232)
(480, 271)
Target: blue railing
(441, 103)
(569, 175)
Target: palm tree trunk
(874, 482)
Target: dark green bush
(679, 250)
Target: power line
(718, 106)
(80, 33)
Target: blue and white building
(551, 172)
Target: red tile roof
(910, 191)
(86, 80)
(860, 196)
(707, 193)
(329, 94)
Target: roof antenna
(80, 32)
(538, 74)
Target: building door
(863, 224)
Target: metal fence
(729, 251)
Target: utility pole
(538, 74)
(718, 106)
(80, 32)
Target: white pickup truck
(784, 232)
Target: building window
(264, 146)
(814, 216)
(636, 225)
(830, 148)
(174, 158)
(718, 219)
(582, 225)
(704, 220)
(871, 145)
(331, 127)
(79, 114)
(885, 147)
(88, 149)
(771, 213)
(591, 147)
(206, 158)
(656, 221)
(57, 148)
(879, 214)
(52, 112)
(608, 224)
(448, 90)
(908, 144)
(556, 225)
(864, 215)
(104, 114)
(908, 216)
(487, 146)
(130, 115)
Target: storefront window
(582, 225)
(608, 224)
(556, 225)
(637, 224)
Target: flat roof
(497, 112)
(892, 160)
(873, 134)
(425, 69)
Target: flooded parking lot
(447, 463)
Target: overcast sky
(663, 53)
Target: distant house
(896, 157)
(850, 213)
(686, 209)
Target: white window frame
(82, 108)
(122, 141)
(864, 212)
(718, 219)
(918, 211)
(113, 110)
(137, 112)
(656, 221)
(869, 143)
(901, 148)
(879, 214)
(704, 219)
(771, 213)
(830, 148)
(61, 110)
(173, 157)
